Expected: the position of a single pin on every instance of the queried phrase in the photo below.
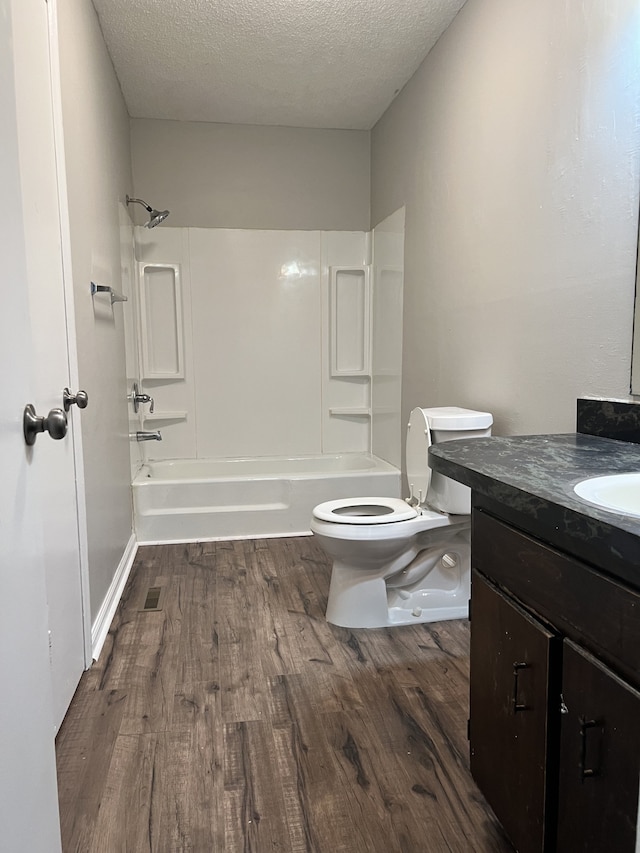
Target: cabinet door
(599, 758)
(514, 669)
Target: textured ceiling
(301, 63)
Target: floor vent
(153, 599)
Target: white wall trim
(65, 244)
(100, 627)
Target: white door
(41, 212)
(28, 794)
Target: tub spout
(150, 435)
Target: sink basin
(619, 493)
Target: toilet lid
(418, 441)
(365, 511)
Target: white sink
(618, 493)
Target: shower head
(155, 216)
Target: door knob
(81, 399)
(55, 424)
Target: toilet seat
(386, 510)
(365, 511)
(416, 454)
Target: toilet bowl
(400, 562)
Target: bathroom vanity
(555, 640)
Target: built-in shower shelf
(165, 416)
(348, 411)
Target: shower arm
(146, 206)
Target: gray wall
(96, 142)
(515, 150)
(245, 176)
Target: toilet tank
(446, 424)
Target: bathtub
(198, 499)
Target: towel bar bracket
(103, 288)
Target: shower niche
(161, 326)
(350, 338)
(350, 321)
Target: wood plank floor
(237, 720)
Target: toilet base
(416, 615)
(362, 599)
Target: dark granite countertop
(528, 482)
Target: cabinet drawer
(595, 611)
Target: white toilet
(401, 562)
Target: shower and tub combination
(274, 360)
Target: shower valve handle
(145, 398)
(137, 398)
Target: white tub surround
(386, 338)
(249, 317)
(199, 499)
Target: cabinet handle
(586, 772)
(518, 706)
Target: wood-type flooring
(237, 720)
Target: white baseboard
(243, 537)
(100, 627)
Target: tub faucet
(148, 435)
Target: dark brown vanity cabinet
(554, 728)
(514, 665)
(599, 757)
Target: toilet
(402, 562)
